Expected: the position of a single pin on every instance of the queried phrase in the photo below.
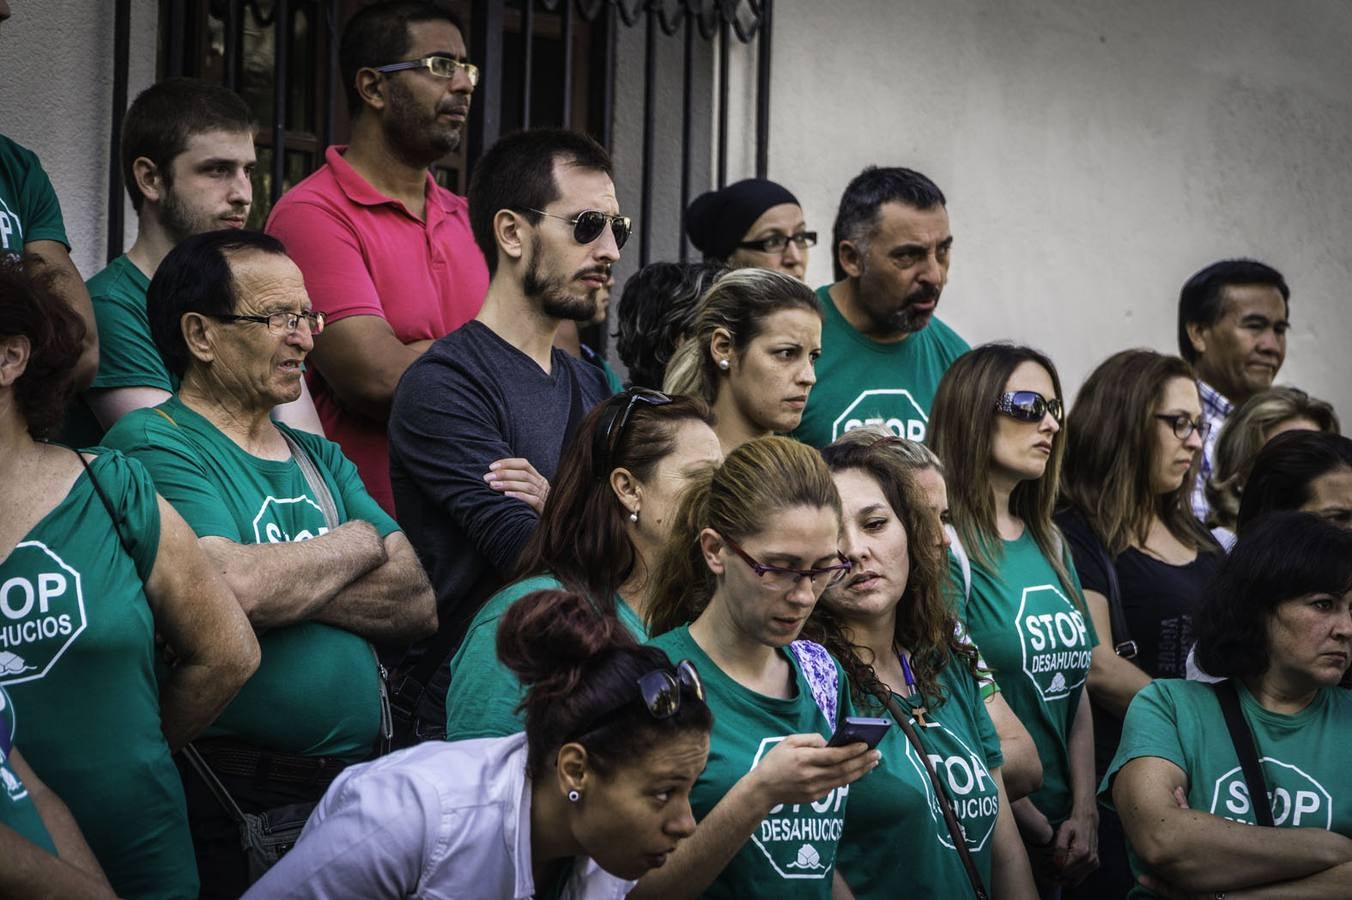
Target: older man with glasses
(386, 252)
(318, 567)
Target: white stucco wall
(56, 91)
(1094, 153)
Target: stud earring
(574, 796)
(723, 364)
(633, 517)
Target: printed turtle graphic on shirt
(1058, 684)
(808, 858)
(13, 664)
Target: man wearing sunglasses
(480, 421)
(387, 253)
(883, 349)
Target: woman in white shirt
(595, 793)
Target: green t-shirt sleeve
(127, 354)
(162, 447)
(990, 740)
(131, 493)
(41, 210)
(481, 701)
(1150, 729)
(349, 490)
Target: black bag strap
(107, 504)
(320, 488)
(1245, 748)
(1123, 645)
(903, 720)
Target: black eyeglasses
(784, 578)
(776, 243)
(1183, 426)
(607, 439)
(661, 690)
(283, 322)
(1028, 406)
(588, 225)
(440, 66)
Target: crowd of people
(339, 566)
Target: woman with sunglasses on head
(603, 525)
(1022, 770)
(753, 545)
(752, 223)
(1144, 560)
(1202, 822)
(995, 424)
(905, 657)
(595, 793)
(753, 354)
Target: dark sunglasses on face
(784, 578)
(661, 690)
(589, 224)
(776, 243)
(1028, 406)
(1183, 426)
(608, 438)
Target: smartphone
(859, 730)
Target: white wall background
(1094, 153)
(56, 94)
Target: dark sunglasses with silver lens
(1028, 406)
(589, 224)
(607, 439)
(661, 690)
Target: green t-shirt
(77, 653)
(792, 852)
(894, 806)
(16, 807)
(316, 691)
(1039, 643)
(29, 210)
(1302, 756)
(863, 382)
(481, 701)
(127, 353)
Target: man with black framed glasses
(386, 252)
(480, 421)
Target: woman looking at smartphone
(995, 424)
(901, 645)
(753, 545)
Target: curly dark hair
(31, 308)
(656, 312)
(1281, 556)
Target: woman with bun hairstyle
(753, 354)
(752, 223)
(752, 547)
(592, 795)
(904, 656)
(603, 524)
(996, 425)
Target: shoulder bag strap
(1123, 645)
(320, 488)
(903, 720)
(107, 504)
(1245, 748)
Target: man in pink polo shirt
(386, 252)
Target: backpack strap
(822, 677)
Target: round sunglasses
(590, 223)
(1029, 406)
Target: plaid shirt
(1215, 410)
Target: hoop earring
(574, 796)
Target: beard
(180, 221)
(889, 319)
(416, 139)
(552, 291)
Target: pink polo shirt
(363, 254)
